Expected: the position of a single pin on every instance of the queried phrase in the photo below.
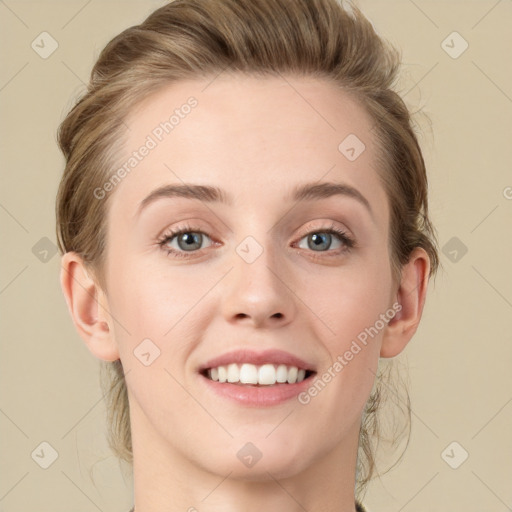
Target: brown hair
(194, 39)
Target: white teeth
(233, 373)
(248, 374)
(265, 375)
(282, 373)
(292, 375)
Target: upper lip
(257, 358)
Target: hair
(197, 39)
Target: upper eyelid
(173, 232)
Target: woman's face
(257, 273)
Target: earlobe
(88, 307)
(411, 297)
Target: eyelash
(332, 229)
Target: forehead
(249, 135)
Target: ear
(411, 296)
(88, 306)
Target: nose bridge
(256, 264)
(257, 285)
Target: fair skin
(257, 139)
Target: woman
(244, 225)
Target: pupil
(190, 240)
(317, 240)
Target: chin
(259, 460)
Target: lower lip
(256, 396)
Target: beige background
(460, 359)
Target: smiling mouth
(257, 375)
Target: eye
(181, 241)
(185, 241)
(322, 239)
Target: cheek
(347, 307)
(347, 300)
(155, 304)
(139, 301)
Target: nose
(258, 292)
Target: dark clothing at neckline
(359, 508)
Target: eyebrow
(212, 194)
